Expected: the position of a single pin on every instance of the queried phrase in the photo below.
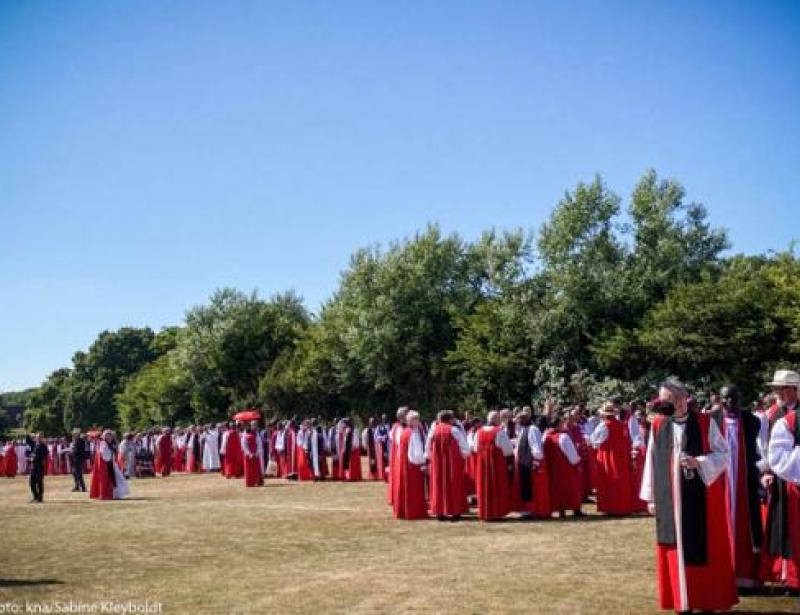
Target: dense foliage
(602, 299)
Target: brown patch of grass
(200, 543)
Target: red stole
(566, 489)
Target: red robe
(491, 477)
(374, 459)
(102, 486)
(178, 458)
(394, 435)
(304, 469)
(614, 481)
(252, 464)
(10, 461)
(447, 493)
(775, 568)
(584, 472)
(383, 470)
(566, 488)
(350, 469)
(287, 458)
(408, 482)
(539, 504)
(233, 467)
(709, 587)
(164, 454)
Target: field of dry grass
(204, 544)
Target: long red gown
(408, 482)
(566, 488)
(448, 497)
(164, 454)
(614, 481)
(349, 469)
(10, 461)
(252, 465)
(234, 460)
(491, 477)
(393, 439)
(539, 504)
(101, 487)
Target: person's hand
(634, 453)
(651, 508)
(767, 480)
(689, 462)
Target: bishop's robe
(233, 462)
(563, 461)
(10, 458)
(349, 455)
(492, 483)
(446, 450)
(164, 454)
(613, 472)
(531, 488)
(694, 563)
(784, 461)
(253, 477)
(408, 481)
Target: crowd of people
(722, 482)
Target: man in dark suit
(78, 449)
(38, 461)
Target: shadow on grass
(29, 582)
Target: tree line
(603, 299)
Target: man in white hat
(780, 556)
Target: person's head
(493, 418)
(445, 416)
(524, 417)
(412, 418)
(555, 421)
(730, 396)
(674, 391)
(784, 384)
(39, 437)
(372, 422)
(505, 415)
(76, 433)
(384, 418)
(108, 436)
(402, 413)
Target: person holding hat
(779, 555)
(685, 456)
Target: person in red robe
(369, 443)
(784, 462)
(780, 560)
(531, 487)
(286, 445)
(179, 451)
(164, 452)
(382, 431)
(315, 450)
(253, 477)
(562, 459)
(304, 471)
(492, 479)
(194, 450)
(685, 456)
(614, 458)
(107, 481)
(348, 449)
(394, 438)
(742, 481)
(408, 479)
(446, 450)
(10, 457)
(233, 465)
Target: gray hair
(676, 387)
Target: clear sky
(151, 152)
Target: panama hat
(785, 378)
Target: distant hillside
(12, 406)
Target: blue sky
(151, 152)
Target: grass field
(200, 543)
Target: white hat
(785, 378)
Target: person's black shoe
(455, 518)
(562, 514)
(441, 518)
(578, 513)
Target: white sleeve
(356, 445)
(416, 449)
(784, 456)
(502, 441)
(428, 441)
(105, 451)
(647, 491)
(245, 447)
(567, 447)
(635, 431)
(599, 435)
(224, 446)
(535, 442)
(714, 463)
(762, 442)
(461, 438)
(472, 439)
(364, 438)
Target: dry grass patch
(201, 543)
